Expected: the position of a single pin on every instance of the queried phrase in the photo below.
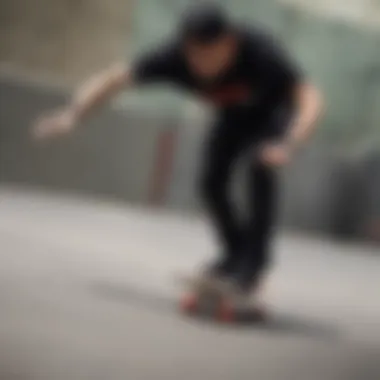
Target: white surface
(81, 284)
(366, 13)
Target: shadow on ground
(279, 322)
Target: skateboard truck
(218, 307)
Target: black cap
(204, 22)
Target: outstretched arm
(99, 89)
(93, 94)
(155, 66)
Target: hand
(58, 123)
(275, 154)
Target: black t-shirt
(261, 78)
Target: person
(266, 108)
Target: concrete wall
(362, 12)
(114, 155)
(139, 157)
(64, 39)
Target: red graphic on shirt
(229, 94)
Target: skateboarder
(266, 109)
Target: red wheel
(226, 312)
(189, 303)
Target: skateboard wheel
(189, 304)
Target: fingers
(51, 126)
(275, 156)
(41, 128)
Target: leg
(262, 198)
(221, 154)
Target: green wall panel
(342, 58)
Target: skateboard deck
(209, 300)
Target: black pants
(245, 241)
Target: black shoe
(224, 267)
(249, 285)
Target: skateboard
(210, 301)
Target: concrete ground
(88, 290)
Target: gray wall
(64, 39)
(117, 155)
(114, 155)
